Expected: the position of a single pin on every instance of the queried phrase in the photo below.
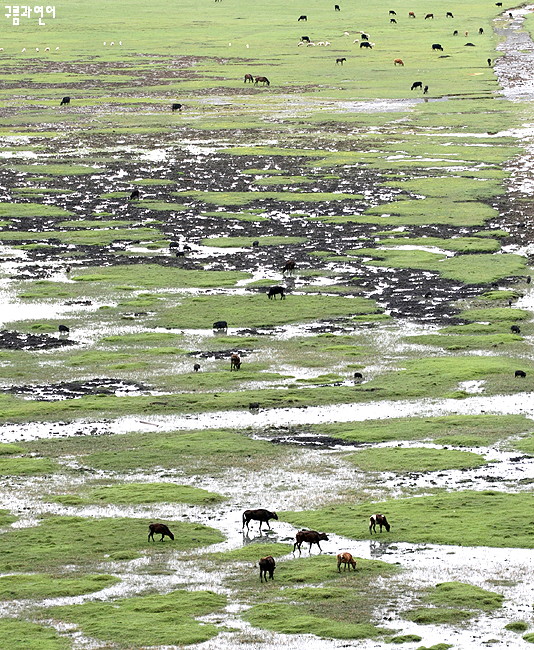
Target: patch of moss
(23, 635)
(51, 586)
(413, 459)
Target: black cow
(176, 107)
(196, 367)
(358, 377)
(63, 329)
(437, 46)
(469, 45)
(220, 325)
(480, 31)
(261, 515)
(276, 291)
(135, 195)
(489, 62)
(337, 8)
(65, 100)
(425, 90)
(267, 566)
(417, 84)
(515, 329)
(392, 13)
(392, 20)
(364, 37)
(455, 32)
(305, 39)
(366, 44)
(255, 243)
(520, 373)
(429, 16)
(302, 18)
(449, 15)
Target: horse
(341, 60)
(347, 560)
(262, 80)
(261, 515)
(267, 566)
(159, 529)
(380, 520)
(398, 62)
(235, 362)
(249, 78)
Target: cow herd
(267, 564)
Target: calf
(515, 329)
(196, 367)
(337, 8)
(65, 100)
(380, 520)
(411, 14)
(176, 107)
(159, 529)
(398, 62)
(437, 46)
(480, 31)
(276, 291)
(309, 536)
(305, 39)
(347, 560)
(417, 84)
(267, 566)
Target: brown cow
(267, 566)
(289, 267)
(261, 515)
(159, 529)
(310, 536)
(380, 520)
(235, 362)
(347, 560)
(398, 62)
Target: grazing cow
(65, 100)
(392, 12)
(489, 62)
(411, 14)
(425, 90)
(276, 291)
(469, 45)
(159, 529)
(358, 377)
(63, 329)
(309, 536)
(455, 32)
(196, 367)
(289, 267)
(417, 84)
(337, 8)
(364, 37)
(520, 373)
(219, 325)
(528, 279)
(429, 16)
(380, 520)
(249, 78)
(255, 243)
(449, 14)
(235, 362)
(510, 15)
(267, 566)
(254, 406)
(398, 62)
(305, 39)
(515, 329)
(366, 44)
(347, 560)
(392, 20)
(498, 4)
(341, 60)
(176, 107)
(135, 194)
(437, 46)
(261, 515)
(302, 18)
(480, 31)
(262, 80)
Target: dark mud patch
(218, 354)
(74, 389)
(310, 440)
(21, 341)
